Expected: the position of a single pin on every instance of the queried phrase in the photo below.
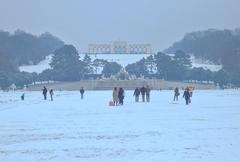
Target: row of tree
(177, 68)
(24, 48)
(10, 74)
(218, 46)
(66, 65)
(213, 45)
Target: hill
(24, 48)
(213, 45)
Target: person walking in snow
(187, 95)
(148, 90)
(121, 96)
(176, 94)
(51, 94)
(143, 92)
(22, 96)
(82, 92)
(136, 94)
(44, 91)
(191, 91)
(115, 96)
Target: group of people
(44, 91)
(187, 94)
(118, 96)
(145, 93)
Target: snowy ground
(40, 67)
(205, 64)
(73, 130)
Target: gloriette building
(119, 47)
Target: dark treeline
(213, 45)
(177, 68)
(24, 48)
(10, 74)
(219, 46)
(66, 65)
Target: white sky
(80, 22)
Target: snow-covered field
(205, 64)
(73, 130)
(40, 67)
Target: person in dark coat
(136, 94)
(121, 96)
(176, 94)
(148, 90)
(187, 95)
(143, 92)
(82, 92)
(22, 96)
(44, 91)
(51, 94)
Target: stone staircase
(126, 84)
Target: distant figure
(121, 96)
(115, 96)
(51, 94)
(176, 94)
(191, 91)
(187, 95)
(82, 92)
(143, 92)
(148, 90)
(22, 96)
(44, 91)
(136, 94)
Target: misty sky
(80, 22)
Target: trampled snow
(73, 130)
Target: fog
(78, 22)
